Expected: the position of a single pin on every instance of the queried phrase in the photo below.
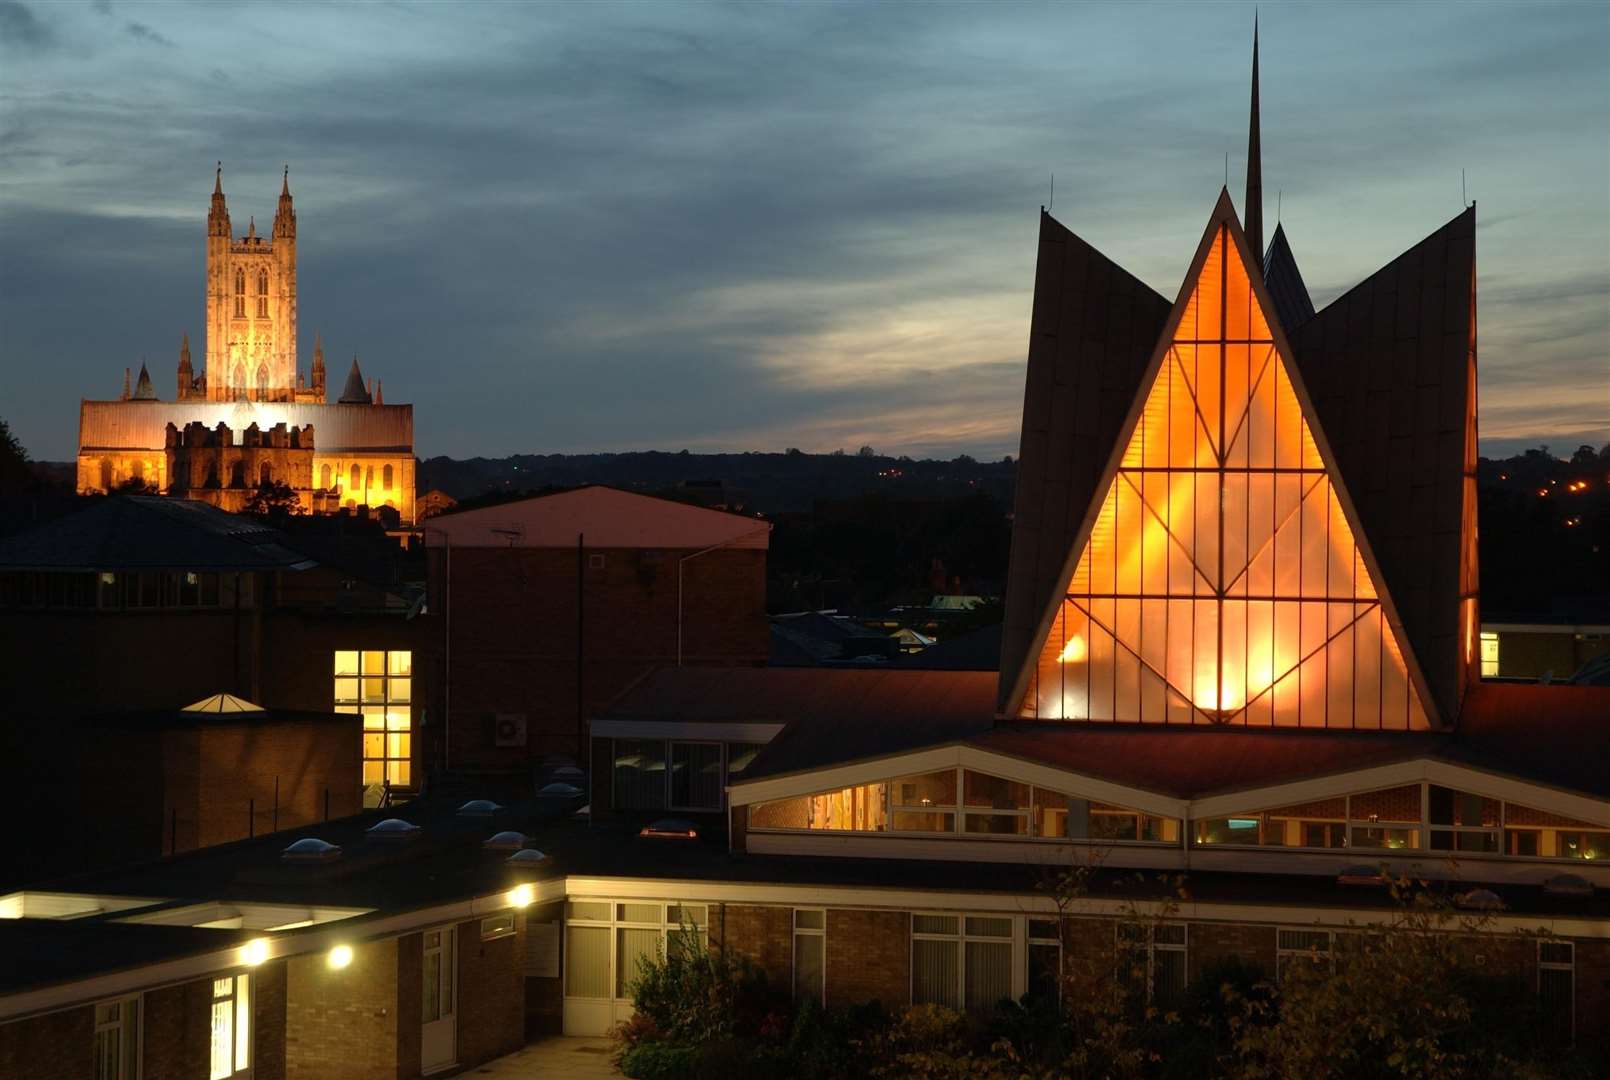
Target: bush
(657, 1061)
(693, 995)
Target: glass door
(439, 1041)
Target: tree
(866, 451)
(15, 476)
(274, 498)
(136, 485)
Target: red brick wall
(1592, 992)
(410, 1004)
(239, 764)
(56, 1046)
(868, 957)
(763, 934)
(343, 1024)
(513, 626)
(269, 984)
(491, 993)
(1209, 943)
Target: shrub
(693, 995)
(657, 1061)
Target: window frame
(1555, 965)
(240, 1007)
(1151, 947)
(671, 746)
(819, 933)
(961, 937)
(501, 925)
(131, 1052)
(383, 708)
(614, 922)
(1284, 953)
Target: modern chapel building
(249, 416)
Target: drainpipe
(683, 561)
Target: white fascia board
(875, 770)
(1434, 770)
(950, 847)
(281, 946)
(685, 729)
(1035, 903)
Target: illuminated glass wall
(1221, 582)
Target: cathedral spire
(143, 390)
(1253, 210)
(186, 375)
(285, 216)
(218, 213)
(318, 368)
(355, 393)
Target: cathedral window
(357, 479)
(324, 477)
(386, 477)
(237, 475)
(379, 686)
(265, 475)
(262, 294)
(240, 294)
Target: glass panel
(809, 965)
(640, 913)
(933, 924)
(346, 690)
(432, 1008)
(1044, 928)
(449, 941)
(374, 663)
(696, 779)
(243, 1022)
(996, 824)
(931, 789)
(739, 755)
(1446, 806)
(587, 961)
(397, 773)
(401, 690)
(913, 821)
(631, 948)
(993, 792)
(808, 919)
(934, 973)
(989, 973)
(596, 910)
(1044, 968)
(978, 926)
(639, 774)
(677, 914)
(1168, 976)
(346, 662)
(1393, 804)
(1394, 839)
(374, 689)
(400, 662)
(373, 772)
(1196, 515)
(223, 1040)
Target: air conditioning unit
(508, 729)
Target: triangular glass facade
(1221, 582)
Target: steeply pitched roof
(149, 532)
(1090, 336)
(354, 393)
(143, 390)
(1390, 369)
(1285, 283)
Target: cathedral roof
(143, 390)
(1091, 333)
(1285, 283)
(355, 393)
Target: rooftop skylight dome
(224, 705)
(311, 849)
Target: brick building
(549, 607)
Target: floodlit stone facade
(250, 383)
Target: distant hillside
(756, 482)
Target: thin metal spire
(1253, 214)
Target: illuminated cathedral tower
(1232, 510)
(251, 304)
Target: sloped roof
(606, 517)
(1387, 368)
(221, 704)
(354, 393)
(1285, 283)
(1091, 334)
(150, 532)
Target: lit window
(379, 685)
(117, 1040)
(1221, 582)
(1489, 655)
(231, 1026)
(497, 926)
(386, 478)
(961, 961)
(810, 954)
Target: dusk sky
(583, 227)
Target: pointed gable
(1391, 369)
(1091, 333)
(1219, 575)
(1285, 284)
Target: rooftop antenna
(1053, 190)
(1278, 196)
(1226, 168)
(1463, 201)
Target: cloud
(141, 32)
(21, 28)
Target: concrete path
(560, 1058)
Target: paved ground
(570, 1059)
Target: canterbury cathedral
(249, 416)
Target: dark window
(639, 774)
(696, 780)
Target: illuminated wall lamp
(340, 957)
(520, 896)
(254, 952)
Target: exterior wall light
(340, 957)
(254, 952)
(520, 896)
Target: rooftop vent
(393, 829)
(479, 808)
(311, 849)
(1479, 900)
(1568, 885)
(670, 829)
(568, 771)
(508, 840)
(1361, 875)
(559, 788)
(528, 857)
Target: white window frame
(1013, 940)
(123, 1025)
(1284, 952)
(1555, 965)
(1031, 942)
(1489, 656)
(668, 923)
(240, 1044)
(497, 926)
(1152, 947)
(812, 932)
